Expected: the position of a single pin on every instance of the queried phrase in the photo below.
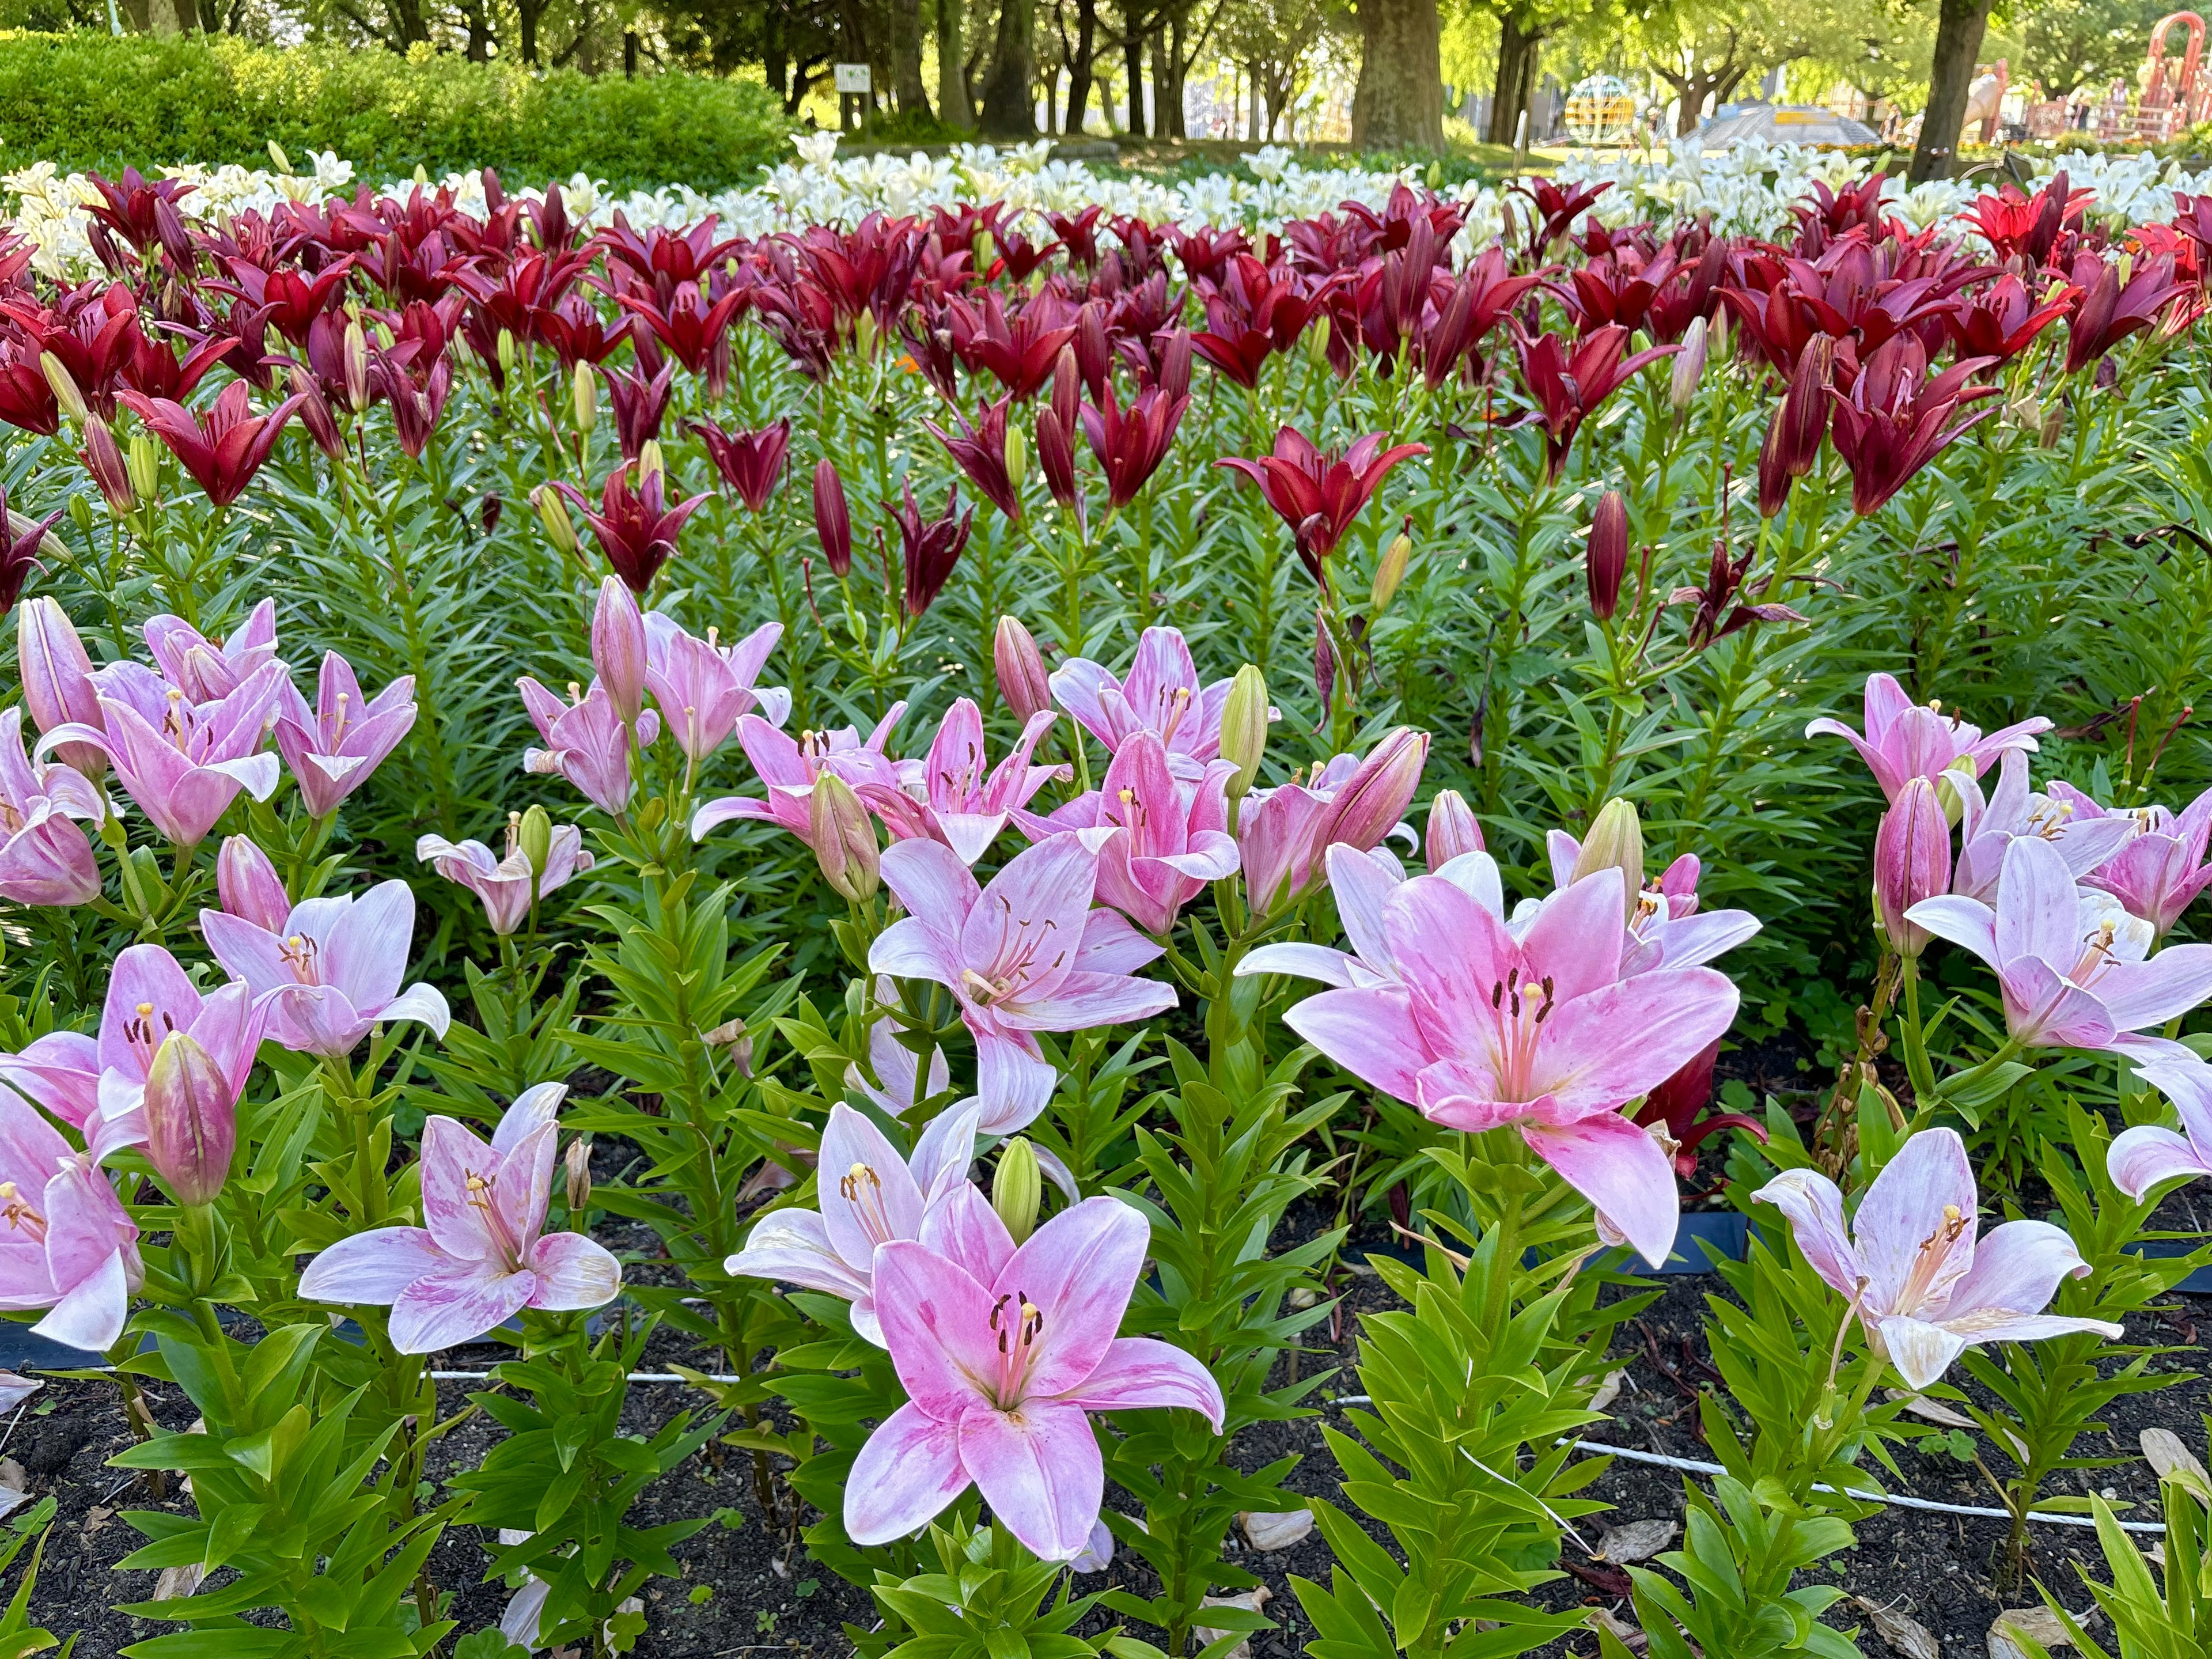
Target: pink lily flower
(1174, 835)
(505, 883)
(333, 748)
(332, 971)
(56, 674)
(1284, 834)
(1905, 740)
(1026, 954)
(948, 798)
(869, 1195)
(1161, 693)
(204, 670)
(702, 686)
(1362, 883)
(2070, 961)
(1003, 1350)
(1924, 1289)
(2084, 840)
(246, 884)
(66, 1243)
(789, 766)
(2147, 1156)
(97, 1085)
(2157, 873)
(1668, 929)
(45, 858)
(183, 762)
(483, 1253)
(896, 1068)
(1540, 1034)
(585, 741)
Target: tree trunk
(526, 14)
(478, 50)
(1177, 66)
(1398, 103)
(168, 18)
(1008, 112)
(1132, 64)
(906, 58)
(1516, 74)
(773, 69)
(1078, 68)
(1958, 42)
(951, 64)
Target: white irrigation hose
(1895, 1500)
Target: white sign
(853, 77)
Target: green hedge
(90, 100)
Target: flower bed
(948, 887)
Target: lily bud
(585, 391)
(1390, 570)
(1020, 666)
(534, 836)
(1911, 862)
(65, 387)
(191, 1120)
(833, 520)
(844, 838)
(579, 1166)
(1689, 366)
(249, 888)
(1615, 841)
(1018, 1188)
(1244, 727)
(1452, 829)
(987, 251)
(618, 647)
(1317, 341)
(1018, 458)
(1605, 562)
(553, 513)
(103, 458)
(1374, 796)
(353, 357)
(650, 461)
(1799, 425)
(56, 675)
(143, 460)
(505, 352)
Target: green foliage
(1737, 1558)
(2149, 1621)
(989, 1598)
(87, 100)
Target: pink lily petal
(1139, 1371)
(373, 1266)
(573, 1271)
(1621, 1171)
(1078, 1270)
(455, 1305)
(1040, 1470)
(905, 1475)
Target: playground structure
(1601, 110)
(2174, 101)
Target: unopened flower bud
(505, 352)
(191, 1120)
(987, 252)
(103, 459)
(650, 461)
(1689, 366)
(844, 838)
(1018, 458)
(1452, 829)
(553, 513)
(833, 521)
(534, 836)
(144, 461)
(585, 390)
(1911, 862)
(1244, 727)
(1605, 562)
(1367, 807)
(1615, 841)
(354, 356)
(56, 675)
(1390, 569)
(1317, 341)
(1017, 1188)
(1020, 666)
(864, 335)
(618, 647)
(579, 1166)
(249, 888)
(65, 387)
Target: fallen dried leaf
(1252, 1601)
(2039, 1623)
(176, 1583)
(2166, 1452)
(1637, 1541)
(1277, 1531)
(1906, 1636)
(13, 1476)
(95, 1518)
(1608, 1390)
(1629, 1637)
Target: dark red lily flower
(1798, 427)
(1317, 492)
(21, 540)
(1721, 605)
(90, 334)
(1619, 287)
(549, 219)
(2019, 225)
(1131, 444)
(1019, 352)
(1893, 422)
(153, 367)
(1237, 357)
(2004, 320)
(677, 257)
(407, 271)
(223, 448)
(1079, 234)
(578, 334)
(751, 463)
(930, 548)
(979, 451)
(135, 208)
(1481, 295)
(685, 321)
(27, 397)
(1679, 1103)
(291, 301)
(1570, 385)
(16, 254)
(1692, 292)
(869, 268)
(417, 403)
(2107, 312)
(833, 519)
(637, 529)
(1556, 210)
(1205, 254)
(640, 403)
(1826, 216)
(1019, 257)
